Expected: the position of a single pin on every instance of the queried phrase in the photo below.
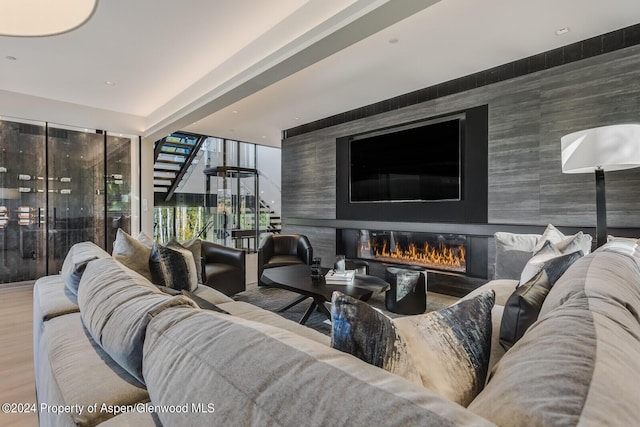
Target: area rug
(272, 299)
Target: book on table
(334, 277)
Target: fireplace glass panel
(446, 252)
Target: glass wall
(22, 200)
(59, 186)
(232, 207)
(75, 175)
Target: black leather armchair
(223, 268)
(284, 249)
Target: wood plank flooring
(17, 383)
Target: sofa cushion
(76, 261)
(578, 364)
(114, 306)
(192, 356)
(446, 351)
(522, 309)
(53, 298)
(203, 303)
(212, 295)
(173, 266)
(132, 252)
(83, 372)
(282, 260)
(512, 253)
(248, 311)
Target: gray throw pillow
(448, 350)
(132, 253)
(173, 267)
(512, 253)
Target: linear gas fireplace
(434, 251)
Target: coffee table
(297, 278)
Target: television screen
(421, 163)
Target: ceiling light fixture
(110, 83)
(10, 58)
(562, 31)
(394, 40)
(37, 18)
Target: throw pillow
(580, 241)
(358, 329)
(555, 266)
(512, 253)
(144, 239)
(173, 267)
(448, 350)
(132, 253)
(551, 234)
(522, 309)
(195, 246)
(534, 265)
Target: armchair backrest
(215, 253)
(286, 244)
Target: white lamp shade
(34, 18)
(608, 148)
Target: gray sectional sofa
(123, 353)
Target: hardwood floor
(17, 383)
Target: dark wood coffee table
(297, 278)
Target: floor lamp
(606, 148)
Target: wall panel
(527, 117)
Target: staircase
(275, 222)
(172, 157)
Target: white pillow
(533, 267)
(566, 244)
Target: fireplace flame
(440, 256)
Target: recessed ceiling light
(235, 111)
(394, 40)
(10, 58)
(264, 136)
(110, 83)
(562, 31)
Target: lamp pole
(601, 209)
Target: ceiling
(248, 69)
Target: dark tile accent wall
(588, 48)
(527, 117)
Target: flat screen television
(409, 164)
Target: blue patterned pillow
(446, 351)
